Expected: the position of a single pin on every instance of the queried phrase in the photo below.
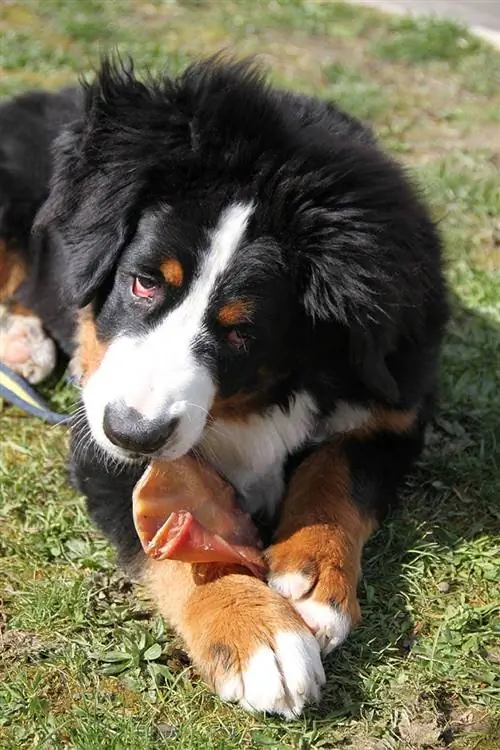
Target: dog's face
(232, 246)
(195, 323)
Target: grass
(84, 663)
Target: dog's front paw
(310, 572)
(252, 648)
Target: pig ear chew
(183, 538)
(184, 511)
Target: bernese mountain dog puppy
(238, 271)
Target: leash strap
(15, 390)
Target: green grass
(424, 39)
(84, 662)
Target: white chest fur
(252, 453)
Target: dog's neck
(251, 453)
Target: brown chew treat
(183, 510)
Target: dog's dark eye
(236, 339)
(145, 287)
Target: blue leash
(15, 390)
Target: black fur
(28, 125)
(341, 257)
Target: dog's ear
(337, 288)
(370, 349)
(91, 194)
(76, 217)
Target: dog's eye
(145, 287)
(236, 339)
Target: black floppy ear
(369, 352)
(88, 209)
(348, 294)
(79, 214)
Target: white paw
(291, 585)
(279, 680)
(329, 624)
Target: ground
(84, 663)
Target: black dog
(258, 282)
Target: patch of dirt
(18, 645)
(178, 660)
(420, 732)
(166, 731)
(114, 586)
(470, 720)
(369, 744)
(406, 643)
(434, 721)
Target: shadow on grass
(435, 555)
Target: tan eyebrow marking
(173, 272)
(233, 313)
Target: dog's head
(224, 241)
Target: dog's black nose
(127, 428)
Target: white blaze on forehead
(187, 319)
(158, 374)
(225, 240)
(167, 351)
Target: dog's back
(29, 123)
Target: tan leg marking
(316, 559)
(247, 641)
